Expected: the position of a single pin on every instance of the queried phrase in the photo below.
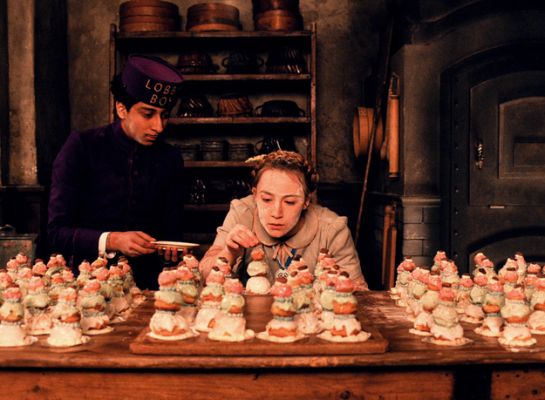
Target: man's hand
(132, 243)
(240, 238)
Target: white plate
(178, 245)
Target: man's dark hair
(119, 90)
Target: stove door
(495, 156)
(507, 141)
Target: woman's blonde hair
(287, 161)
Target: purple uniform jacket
(104, 181)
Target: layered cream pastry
(188, 288)
(22, 259)
(230, 326)
(399, 292)
(493, 302)
(5, 282)
(536, 321)
(509, 278)
(23, 277)
(478, 259)
(102, 275)
(510, 265)
(537, 302)
(462, 296)
(166, 324)
(427, 303)
(192, 263)
(258, 270)
(85, 273)
(54, 266)
(295, 263)
(474, 313)
(326, 299)
(282, 327)
(56, 287)
(134, 295)
(11, 320)
(522, 266)
(449, 274)
(345, 326)
(530, 281)
(440, 255)
(39, 269)
(446, 329)
(66, 331)
(223, 264)
(210, 301)
(94, 319)
(37, 318)
(118, 302)
(516, 313)
(305, 317)
(12, 266)
(415, 290)
(99, 263)
(69, 279)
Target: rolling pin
(393, 129)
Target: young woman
(279, 217)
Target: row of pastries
(508, 304)
(303, 304)
(47, 299)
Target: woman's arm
(341, 246)
(232, 237)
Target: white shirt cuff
(102, 246)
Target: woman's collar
(302, 238)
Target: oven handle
(479, 154)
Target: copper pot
(148, 15)
(212, 17)
(278, 20)
(147, 7)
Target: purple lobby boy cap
(152, 80)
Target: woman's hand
(131, 243)
(238, 239)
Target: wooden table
(410, 368)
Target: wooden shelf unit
(260, 87)
(238, 120)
